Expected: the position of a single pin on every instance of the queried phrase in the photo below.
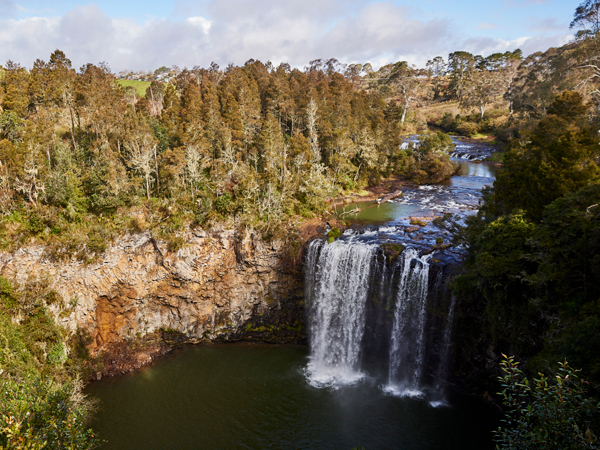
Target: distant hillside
(139, 86)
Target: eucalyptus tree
(587, 16)
(436, 69)
(29, 182)
(490, 78)
(196, 161)
(341, 160)
(460, 66)
(154, 95)
(480, 89)
(407, 81)
(311, 125)
(140, 148)
(272, 148)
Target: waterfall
(407, 339)
(338, 277)
(372, 314)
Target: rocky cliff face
(219, 286)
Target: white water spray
(337, 288)
(407, 347)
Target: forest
(85, 159)
(253, 145)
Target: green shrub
(545, 413)
(176, 243)
(223, 203)
(7, 295)
(333, 234)
(467, 129)
(38, 413)
(430, 161)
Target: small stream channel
(251, 396)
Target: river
(251, 396)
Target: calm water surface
(249, 396)
(461, 193)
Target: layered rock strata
(219, 286)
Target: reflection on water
(371, 212)
(473, 176)
(460, 195)
(240, 396)
(469, 169)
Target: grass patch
(140, 86)
(486, 137)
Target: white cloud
(295, 31)
(528, 44)
(8, 8)
(524, 3)
(548, 24)
(200, 22)
(487, 26)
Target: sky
(144, 35)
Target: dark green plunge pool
(249, 396)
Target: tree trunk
(153, 104)
(156, 171)
(404, 112)
(72, 128)
(148, 186)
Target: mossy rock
(333, 234)
(392, 250)
(418, 222)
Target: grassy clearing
(484, 137)
(433, 111)
(140, 86)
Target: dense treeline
(534, 248)
(534, 251)
(255, 143)
(533, 266)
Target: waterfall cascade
(372, 315)
(407, 343)
(339, 283)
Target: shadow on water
(244, 396)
